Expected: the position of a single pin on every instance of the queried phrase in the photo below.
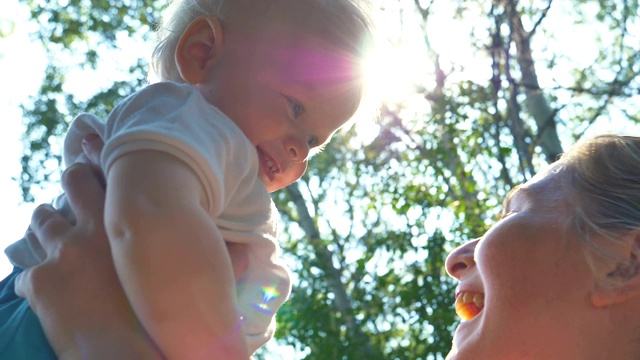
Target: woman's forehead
(545, 185)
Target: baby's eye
(296, 108)
(312, 141)
(315, 147)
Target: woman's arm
(171, 258)
(75, 292)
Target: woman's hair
(348, 19)
(603, 183)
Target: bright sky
(22, 65)
(21, 68)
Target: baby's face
(287, 91)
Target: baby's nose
(298, 149)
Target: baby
(251, 88)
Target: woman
(557, 277)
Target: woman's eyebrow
(506, 204)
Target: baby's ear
(624, 279)
(198, 48)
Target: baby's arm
(171, 259)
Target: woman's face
(528, 281)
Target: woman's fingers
(85, 194)
(92, 145)
(85, 197)
(23, 283)
(65, 243)
(46, 225)
(22, 287)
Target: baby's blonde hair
(348, 18)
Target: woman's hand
(92, 145)
(76, 292)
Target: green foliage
(367, 229)
(67, 22)
(47, 118)
(72, 28)
(7, 27)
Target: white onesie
(176, 119)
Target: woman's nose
(461, 259)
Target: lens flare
(269, 293)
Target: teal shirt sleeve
(21, 335)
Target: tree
(367, 229)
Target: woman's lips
(469, 304)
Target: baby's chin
(264, 179)
(272, 185)
(278, 182)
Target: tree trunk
(536, 103)
(324, 257)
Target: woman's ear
(624, 280)
(198, 48)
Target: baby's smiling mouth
(269, 165)
(273, 167)
(468, 305)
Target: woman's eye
(506, 214)
(312, 141)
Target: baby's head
(287, 72)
